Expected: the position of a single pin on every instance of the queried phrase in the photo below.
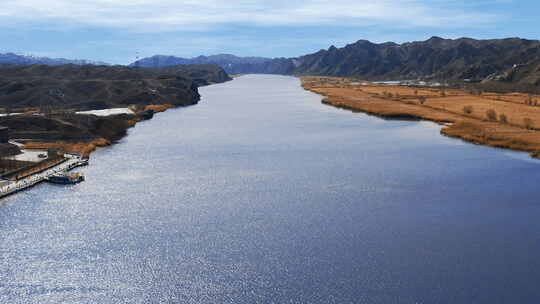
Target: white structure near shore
(108, 112)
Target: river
(261, 194)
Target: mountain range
(510, 62)
(513, 61)
(231, 63)
(435, 58)
(14, 59)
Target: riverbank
(510, 121)
(83, 148)
(78, 151)
(123, 122)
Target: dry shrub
(529, 124)
(503, 119)
(491, 115)
(467, 127)
(158, 108)
(468, 110)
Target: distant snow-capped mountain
(16, 59)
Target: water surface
(261, 194)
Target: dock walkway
(30, 181)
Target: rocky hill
(200, 74)
(67, 127)
(100, 87)
(436, 58)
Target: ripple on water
(261, 194)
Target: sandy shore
(509, 121)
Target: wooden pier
(70, 163)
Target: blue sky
(116, 31)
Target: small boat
(66, 179)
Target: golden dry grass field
(85, 148)
(500, 120)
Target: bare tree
(503, 119)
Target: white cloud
(163, 15)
